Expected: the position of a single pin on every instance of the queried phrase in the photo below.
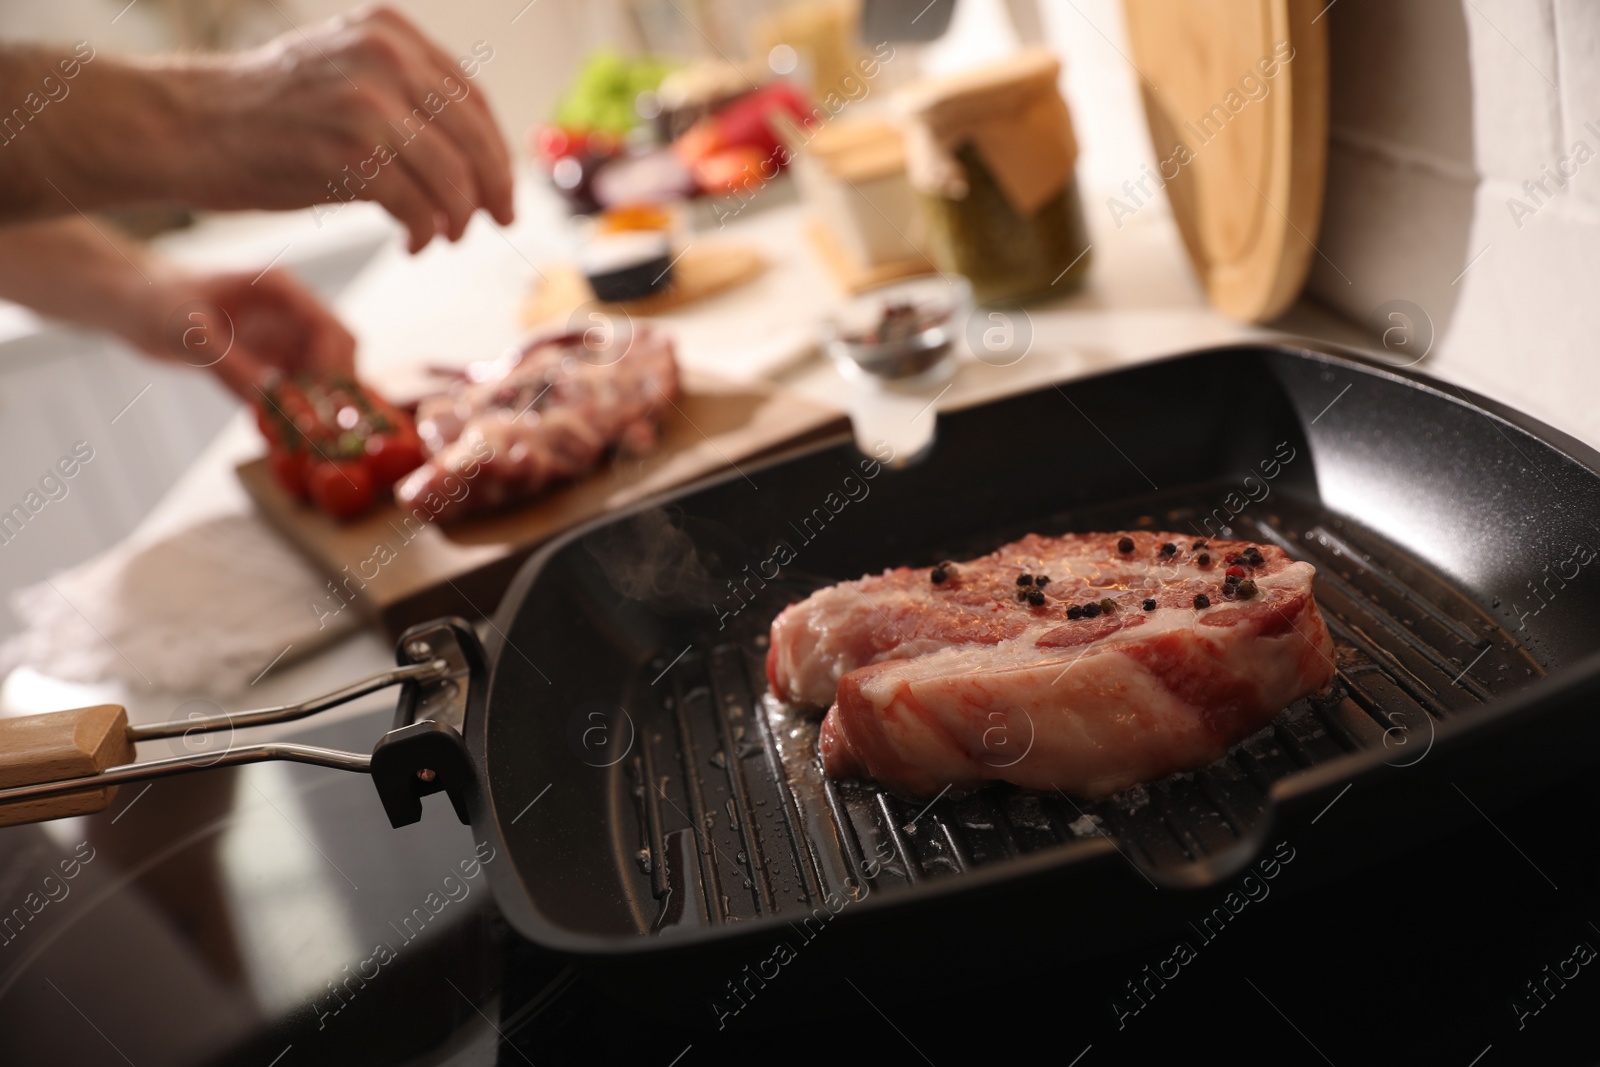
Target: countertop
(455, 303)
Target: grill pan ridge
(719, 825)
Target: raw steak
(548, 413)
(975, 677)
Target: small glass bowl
(903, 330)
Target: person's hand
(362, 108)
(242, 327)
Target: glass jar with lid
(992, 154)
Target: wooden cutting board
(701, 270)
(396, 576)
(1240, 137)
(851, 276)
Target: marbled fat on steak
(1140, 654)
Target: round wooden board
(1236, 94)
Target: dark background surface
(1417, 960)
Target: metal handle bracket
(425, 753)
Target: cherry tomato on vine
(342, 488)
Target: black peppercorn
(1246, 590)
(1150, 604)
(938, 575)
(1202, 601)
(1074, 612)
(1169, 549)
(1204, 559)
(1091, 611)
(1041, 580)
(1036, 598)
(1199, 544)
(1108, 605)
(1125, 545)
(1021, 596)
(1252, 556)
(1024, 579)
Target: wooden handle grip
(59, 745)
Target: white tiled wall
(1440, 111)
(1578, 56)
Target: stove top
(269, 915)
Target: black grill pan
(680, 829)
(666, 825)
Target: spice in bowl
(899, 331)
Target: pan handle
(64, 763)
(73, 744)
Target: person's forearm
(81, 131)
(363, 107)
(243, 326)
(81, 272)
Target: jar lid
(1013, 115)
(982, 91)
(860, 150)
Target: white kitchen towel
(201, 611)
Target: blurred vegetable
(392, 456)
(733, 169)
(335, 441)
(702, 139)
(603, 95)
(738, 147)
(748, 120)
(654, 177)
(290, 468)
(634, 216)
(732, 148)
(342, 488)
